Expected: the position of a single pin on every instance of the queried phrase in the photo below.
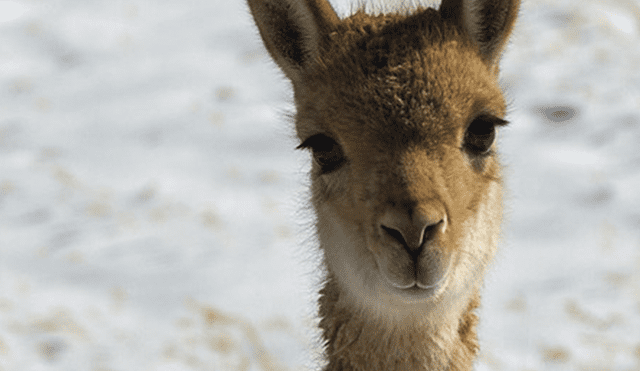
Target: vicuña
(401, 113)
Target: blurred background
(152, 208)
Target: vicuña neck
(355, 342)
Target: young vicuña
(400, 112)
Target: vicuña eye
(326, 152)
(481, 133)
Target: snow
(153, 212)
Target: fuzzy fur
(397, 92)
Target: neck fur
(355, 342)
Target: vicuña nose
(414, 227)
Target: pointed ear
(487, 22)
(293, 30)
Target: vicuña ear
(293, 30)
(487, 22)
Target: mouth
(418, 290)
(415, 293)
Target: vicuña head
(400, 113)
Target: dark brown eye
(326, 152)
(481, 133)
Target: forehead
(400, 80)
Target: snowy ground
(151, 202)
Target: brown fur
(409, 220)
(354, 342)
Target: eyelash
(326, 151)
(480, 135)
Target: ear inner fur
(293, 31)
(487, 23)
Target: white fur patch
(355, 268)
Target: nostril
(413, 239)
(396, 234)
(430, 231)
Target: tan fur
(408, 210)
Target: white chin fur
(357, 273)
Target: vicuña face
(405, 178)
